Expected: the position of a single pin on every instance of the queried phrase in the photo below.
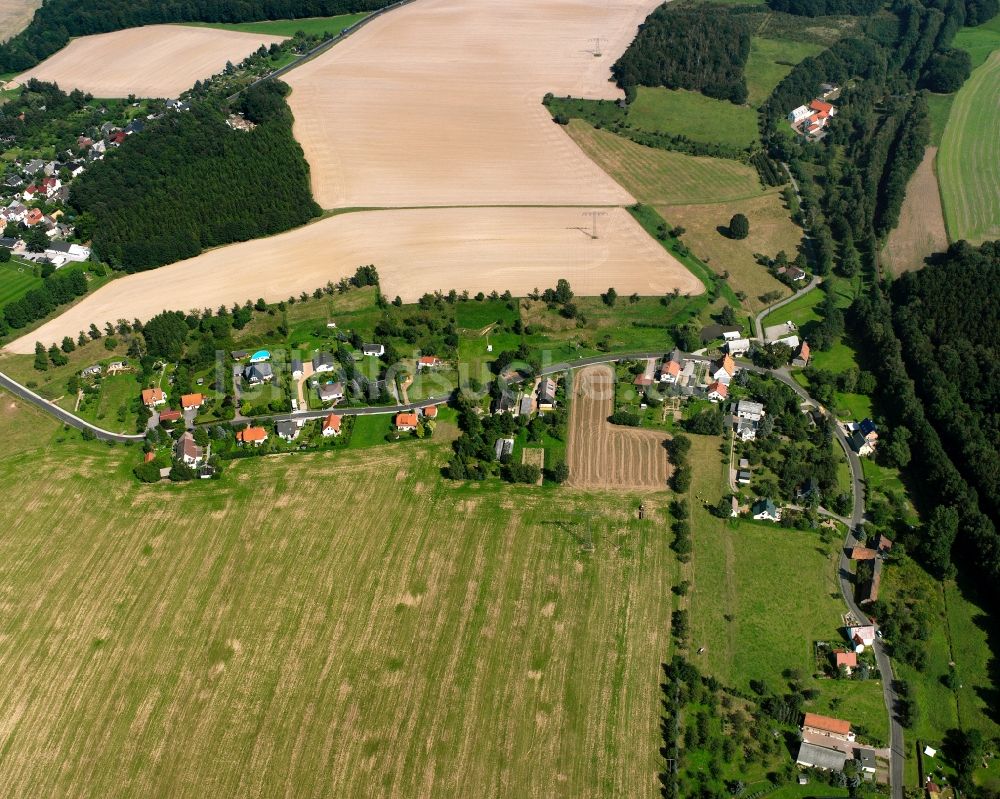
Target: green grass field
(337, 624)
(968, 161)
(770, 61)
(980, 41)
(663, 177)
(695, 116)
(288, 27)
(16, 280)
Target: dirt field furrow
(154, 61)
(603, 455)
(415, 251)
(921, 228)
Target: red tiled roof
(332, 422)
(819, 105)
(251, 434)
(849, 659)
(827, 724)
(169, 416)
(151, 395)
(430, 360)
(431, 411)
(728, 364)
(672, 368)
(719, 388)
(862, 553)
(406, 420)
(192, 400)
(643, 380)
(149, 456)
(804, 351)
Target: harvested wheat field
(154, 61)
(606, 456)
(439, 103)
(226, 640)
(921, 221)
(15, 16)
(415, 251)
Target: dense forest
(702, 48)
(184, 185)
(947, 318)
(58, 20)
(819, 8)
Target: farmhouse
(151, 397)
(257, 373)
(406, 422)
(766, 510)
(835, 729)
(859, 444)
(428, 362)
(323, 362)
(190, 401)
(189, 453)
(547, 394)
(801, 358)
(331, 425)
(861, 636)
(252, 435)
(330, 392)
(373, 350)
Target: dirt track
(154, 61)
(415, 251)
(603, 455)
(439, 103)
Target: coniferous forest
(58, 20)
(690, 48)
(184, 185)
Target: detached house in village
(257, 373)
(373, 350)
(428, 362)
(717, 391)
(288, 429)
(192, 401)
(331, 425)
(546, 394)
(746, 418)
(188, 452)
(253, 436)
(723, 370)
(406, 422)
(323, 362)
(152, 397)
(670, 369)
(330, 392)
(766, 510)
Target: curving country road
(890, 696)
(759, 319)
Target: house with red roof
(717, 391)
(801, 358)
(846, 660)
(428, 362)
(191, 401)
(431, 412)
(331, 425)
(151, 397)
(827, 727)
(406, 422)
(170, 416)
(252, 435)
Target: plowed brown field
(603, 455)
(154, 61)
(15, 15)
(439, 103)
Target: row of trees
(58, 20)
(186, 184)
(820, 8)
(56, 290)
(688, 48)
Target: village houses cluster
(811, 120)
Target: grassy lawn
(371, 429)
(770, 61)
(695, 116)
(663, 177)
(17, 278)
(939, 108)
(335, 623)
(771, 230)
(474, 316)
(316, 26)
(968, 161)
(980, 41)
(112, 407)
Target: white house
(323, 362)
(738, 346)
(331, 425)
(745, 409)
(722, 371)
(800, 113)
(766, 510)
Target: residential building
(170, 416)
(254, 436)
(257, 373)
(743, 476)
(883, 544)
(331, 425)
(859, 444)
(329, 392)
(91, 371)
(151, 397)
(846, 660)
(738, 346)
(406, 422)
(862, 553)
(373, 350)
(524, 408)
(825, 726)
(745, 430)
(287, 429)
(801, 358)
(186, 451)
(670, 370)
(861, 636)
(866, 762)
(431, 412)
(428, 362)
(323, 362)
(819, 757)
(745, 409)
(766, 510)
(717, 391)
(297, 370)
(723, 370)
(192, 401)
(868, 429)
(505, 403)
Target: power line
(593, 217)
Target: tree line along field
(968, 160)
(16, 280)
(288, 27)
(244, 635)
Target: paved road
(854, 528)
(63, 416)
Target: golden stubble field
(154, 61)
(439, 103)
(604, 456)
(15, 15)
(415, 251)
(260, 637)
(921, 229)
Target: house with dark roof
(766, 510)
(505, 403)
(373, 350)
(820, 757)
(330, 392)
(296, 368)
(547, 394)
(288, 429)
(503, 447)
(257, 373)
(323, 362)
(186, 451)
